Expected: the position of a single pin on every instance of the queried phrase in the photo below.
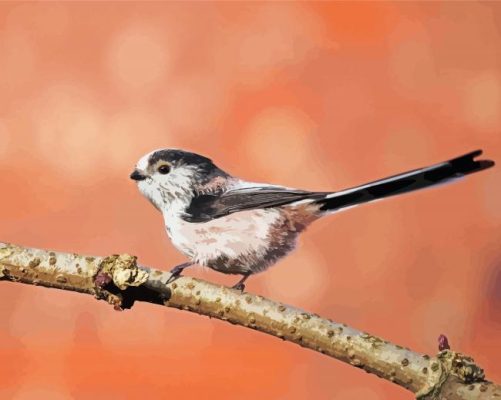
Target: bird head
(168, 175)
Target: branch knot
(461, 366)
(123, 269)
(450, 364)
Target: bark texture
(120, 281)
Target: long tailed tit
(239, 227)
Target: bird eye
(164, 169)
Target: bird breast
(233, 236)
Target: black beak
(137, 176)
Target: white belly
(237, 236)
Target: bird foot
(239, 286)
(176, 271)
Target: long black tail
(406, 182)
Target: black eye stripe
(163, 169)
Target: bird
(239, 227)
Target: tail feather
(406, 182)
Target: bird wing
(206, 207)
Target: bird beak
(137, 175)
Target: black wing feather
(206, 207)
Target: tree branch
(120, 281)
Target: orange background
(319, 96)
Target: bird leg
(176, 271)
(240, 284)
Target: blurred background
(310, 95)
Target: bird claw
(176, 272)
(239, 286)
(173, 276)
